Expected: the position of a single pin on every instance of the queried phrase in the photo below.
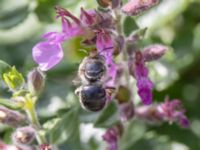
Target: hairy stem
(124, 55)
(33, 118)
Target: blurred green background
(175, 23)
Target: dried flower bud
(13, 79)
(4, 146)
(24, 135)
(104, 3)
(154, 52)
(36, 81)
(45, 147)
(134, 7)
(118, 45)
(126, 111)
(9, 117)
(116, 3)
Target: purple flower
(145, 87)
(112, 136)
(144, 84)
(173, 111)
(154, 52)
(170, 111)
(89, 17)
(104, 42)
(105, 47)
(134, 7)
(47, 54)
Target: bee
(92, 94)
(92, 69)
(92, 97)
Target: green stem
(124, 55)
(33, 118)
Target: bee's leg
(77, 91)
(110, 92)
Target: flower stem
(124, 55)
(33, 118)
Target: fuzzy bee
(92, 94)
(92, 97)
(92, 69)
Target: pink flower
(170, 111)
(112, 136)
(105, 47)
(144, 84)
(134, 7)
(89, 17)
(173, 111)
(154, 52)
(47, 54)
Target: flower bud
(13, 79)
(45, 147)
(126, 111)
(154, 52)
(24, 135)
(36, 81)
(4, 146)
(9, 117)
(134, 7)
(116, 3)
(104, 3)
(112, 136)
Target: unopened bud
(4, 146)
(9, 117)
(126, 111)
(116, 3)
(154, 52)
(13, 79)
(45, 147)
(24, 135)
(36, 81)
(119, 44)
(134, 7)
(104, 3)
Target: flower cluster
(170, 111)
(116, 57)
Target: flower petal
(47, 55)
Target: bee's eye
(93, 97)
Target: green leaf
(4, 67)
(51, 124)
(129, 25)
(108, 116)
(14, 105)
(64, 128)
(13, 13)
(13, 79)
